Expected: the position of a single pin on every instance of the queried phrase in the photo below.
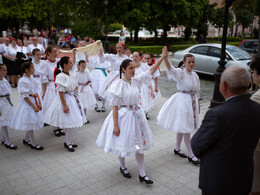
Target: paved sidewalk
(89, 170)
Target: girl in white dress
(28, 114)
(125, 131)
(115, 61)
(6, 107)
(180, 113)
(46, 70)
(149, 59)
(37, 63)
(66, 110)
(85, 91)
(98, 76)
(146, 92)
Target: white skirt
(130, 139)
(25, 118)
(87, 97)
(49, 96)
(177, 114)
(56, 117)
(158, 94)
(98, 78)
(7, 112)
(146, 99)
(112, 77)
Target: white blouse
(27, 86)
(65, 82)
(46, 69)
(5, 87)
(115, 60)
(12, 52)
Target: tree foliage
(244, 17)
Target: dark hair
(63, 60)
(81, 61)
(187, 56)
(24, 66)
(255, 64)
(127, 49)
(48, 50)
(124, 65)
(2, 65)
(35, 50)
(140, 53)
(150, 54)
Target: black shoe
(147, 117)
(26, 142)
(99, 98)
(10, 146)
(3, 142)
(103, 109)
(97, 109)
(195, 162)
(57, 132)
(177, 152)
(147, 181)
(61, 132)
(37, 147)
(69, 147)
(127, 175)
(74, 145)
(45, 125)
(87, 122)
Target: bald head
(236, 78)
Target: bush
(113, 27)
(156, 50)
(175, 48)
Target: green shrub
(156, 50)
(175, 48)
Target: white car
(208, 55)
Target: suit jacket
(225, 143)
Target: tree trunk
(165, 34)
(136, 35)
(236, 30)
(131, 36)
(218, 34)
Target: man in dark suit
(227, 138)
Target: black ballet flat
(10, 146)
(57, 132)
(103, 109)
(26, 142)
(147, 117)
(127, 175)
(177, 152)
(97, 109)
(37, 147)
(146, 181)
(69, 147)
(99, 98)
(195, 162)
(61, 132)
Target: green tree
(244, 18)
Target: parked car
(250, 45)
(208, 55)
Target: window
(203, 50)
(214, 52)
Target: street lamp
(218, 99)
(106, 39)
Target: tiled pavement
(89, 170)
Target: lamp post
(106, 39)
(218, 99)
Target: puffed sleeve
(43, 70)
(24, 87)
(62, 82)
(115, 93)
(174, 73)
(157, 73)
(197, 85)
(107, 57)
(92, 61)
(142, 78)
(106, 65)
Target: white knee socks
(68, 135)
(103, 102)
(122, 164)
(140, 161)
(188, 146)
(179, 137)
(5, 136)
(30, 135)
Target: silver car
(208, 55)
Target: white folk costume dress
(37, 75)
(146, 101)
(115, 61)
(180, 113)
(158, 94)
(85, 92)
(99, 72)
(55, 115)
(25, 118)
(47, 72)
(135, 133)
(6, 106)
